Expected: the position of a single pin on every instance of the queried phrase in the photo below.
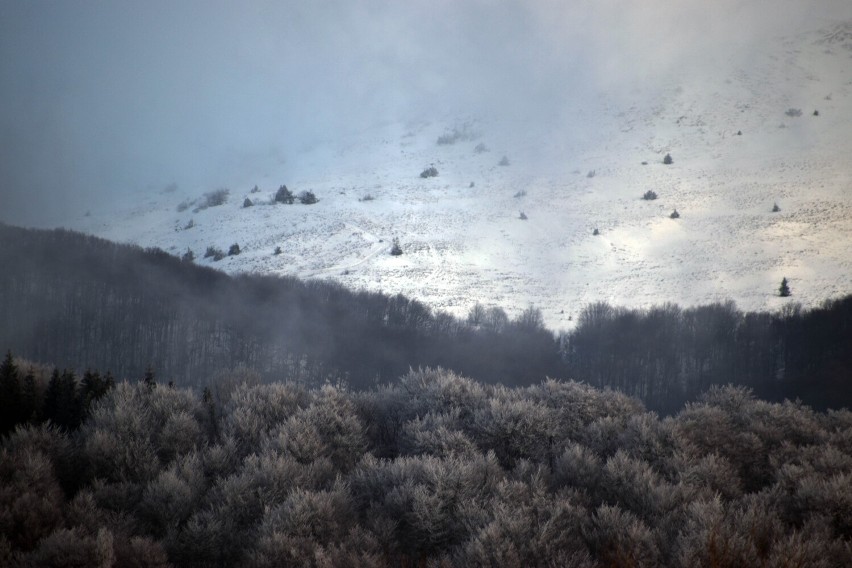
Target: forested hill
(80, 302)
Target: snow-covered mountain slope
(738, 147)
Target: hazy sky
(100, 98)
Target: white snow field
(737, 149)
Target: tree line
(667, 355)
(78, 302)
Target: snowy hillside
(737, 144)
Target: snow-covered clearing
(736, 152)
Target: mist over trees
(435, 470)
(351, 458)
(77, 301)
(80, 302)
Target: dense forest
(435, 470)
(201, 419)
(78, 302)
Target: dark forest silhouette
(78, 302)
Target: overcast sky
(98, 99)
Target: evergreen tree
(51, 397)
(30, 399)
(210, 408)
(71, 415)
(10, 395)
(92, 388)
(784, 289)
(109, 381)
(148, 379)
(61, 404)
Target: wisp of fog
(101, 99)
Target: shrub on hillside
(396, 249)
(234, 250)
(431, 171)
(307, 198)
(214, 253)
(649, 195)
(284, 195)
(668, 159)
(463, 133)
(448, 138)
(793, 112)
(212, 199)
(504, 161)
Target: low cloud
(102, 99)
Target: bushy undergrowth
(436, 470)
